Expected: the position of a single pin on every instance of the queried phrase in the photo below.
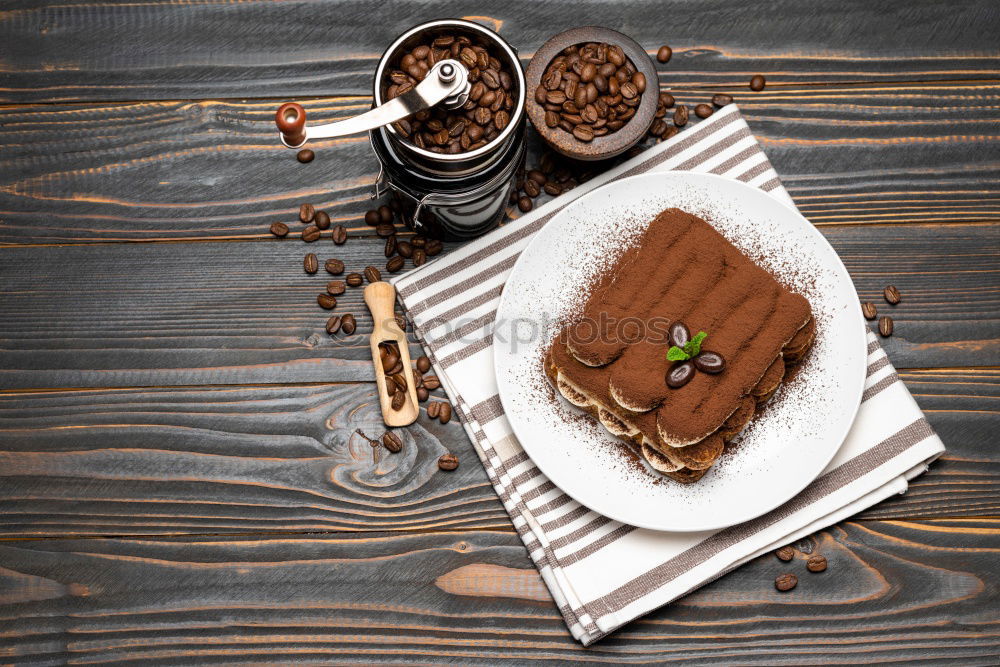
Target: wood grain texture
(900, 591)
(279, 459)
(224, 313)
(858, 154)
(121, 50)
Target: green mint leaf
(677, 354)
(693, 346)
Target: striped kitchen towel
(602, 573)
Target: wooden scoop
(381, 297)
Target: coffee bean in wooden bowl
(592, 93)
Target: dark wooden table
(177, 478)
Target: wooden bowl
(610, 145)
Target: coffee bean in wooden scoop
(448, 462)
(399, 379)
(680, 374)
(885, 326)
(679, 334)
(389, 360)
(710, 362)
(892, 295)
(869, 310)
(398, 400)
(392, 442)
(786, 582)
(785, 553)
(816, 563)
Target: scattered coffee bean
(444, 414)
(433, 409)
(531, 188)
(680, 115)
(680, 374)
(385, 214)
(537, 176)
(392, 442)
(372, 218)
(310, 264)
(721, 99)
(431, 382)
(333, 325)
(305, 155)
(355, 279)
(348, 324)
(398, 400)
(334, 266)
(525, 204)
(816, 563)
(663, 53)
(448, 462)
(703, 110)
(757, 82)
(786, 582)
(405, 249)
(419, 257)
(885, 326)
(390, 246)
(326, 301)
(279, 229)
(434, 247)
(395, 264)
(340, 235)
(336, 287)
(418, 241)
(422, 394)
(322, 220)
(710, 362)
(869, 310)
(372, 274)
(552, 189)
(423, 364)
(310, 234)
(892, 295)
(385, 229)
(666, 100)
(785, 553)
(306, 212)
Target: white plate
(779, 453)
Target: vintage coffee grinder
(453, 196)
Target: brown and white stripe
(603, 573)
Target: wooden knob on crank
(291, 121)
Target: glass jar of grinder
(453, 196)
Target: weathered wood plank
(155, 314)
(278, 459)
(888, 154)
(906, 591)
(219, 313)
(126, 51)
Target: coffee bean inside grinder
(484, 115)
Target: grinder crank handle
(447, 82)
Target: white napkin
(603, 573)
